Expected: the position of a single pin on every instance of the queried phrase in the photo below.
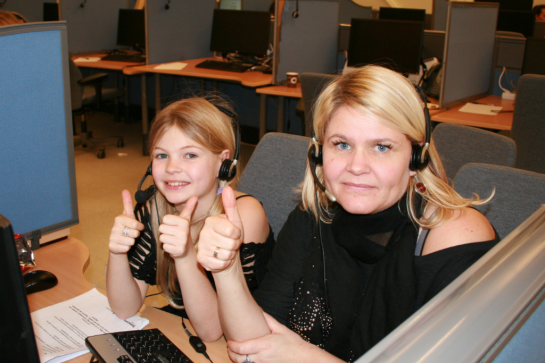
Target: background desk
(68, 258)
(281, 92)
(501, 121)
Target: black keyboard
(225, 66)
(140, 346)
(121, 57)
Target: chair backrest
(458, 145)
(276, 168)
(312, 85)
(528, 129)
(76, 90)
(519, 193)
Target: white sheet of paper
(87, 59)
(61, 329)
(175, 66)
(480, 109)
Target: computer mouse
(39, 280)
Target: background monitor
(524, 5)
(395, 44)
(517, 21)
(16, 333)
(534, 56)
(51, 12)
(36, 141)
(468, 52)
(131, 28)
(240, 31)
(231, 4)
(402, 14)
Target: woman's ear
(225, 154)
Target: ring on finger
(216, 251)
(247, 360)
(125, 232)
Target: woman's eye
(342, 145)
(382, 148)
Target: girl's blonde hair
(201, 121)
(392, 100)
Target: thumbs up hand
(126, 227)
(175, 231)
(221, 236)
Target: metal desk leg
(126, 88)
(145, 125)
(158, 105)
(262, 115)
(280, 118)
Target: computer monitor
(396, 44)
(468, 52)
(240, 31)
(131, 28)
(534, 54)
(231, 4)
(517, 21)
(51, 12)
(523, 5)
(36, 140)
(402, 14)
(17, 340)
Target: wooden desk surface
(501, 121)
(249, 78)
(101, 64)
(68, 259)
(283, 91)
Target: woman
(346, 273)
(190, 140)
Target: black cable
(321, 244)
(196, 343)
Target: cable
(196, 343)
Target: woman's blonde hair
(392, 100)
(10, 18)
(201, 121)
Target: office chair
(87, 93)
(519, 193)
(274, 171)
(458, 145)
(311, 87)
(528, 129)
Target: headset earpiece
(420, 156)
(167, 6)
(315, 158)
(228, 168)
(140, 196)
(295, 14)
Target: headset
(295, 14)
(228, 168)
(82, 5)
(167, 6)
(420, 156)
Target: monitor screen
(402, 14)
(534, 54)
(131, 28)
(16, 333)
(524, 5)
(240, 31)
(396, 44)
(231, 4)
(468, 52)
(517, 21)
(51, 12)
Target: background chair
(529, 123)
(519, 193)
(87, 93)
(311, 86)
(458, 145)
(274, 171)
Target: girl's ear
(225, 154)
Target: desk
(501, 121)
(248, 79)
(68, 259)
(281, 92)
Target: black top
(389, 290)
(143, 255)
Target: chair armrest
(96, 80)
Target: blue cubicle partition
(36, 143)
(180, 32)
(32, 10)
(308, 43)
(92, 27)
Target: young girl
(189, 140)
